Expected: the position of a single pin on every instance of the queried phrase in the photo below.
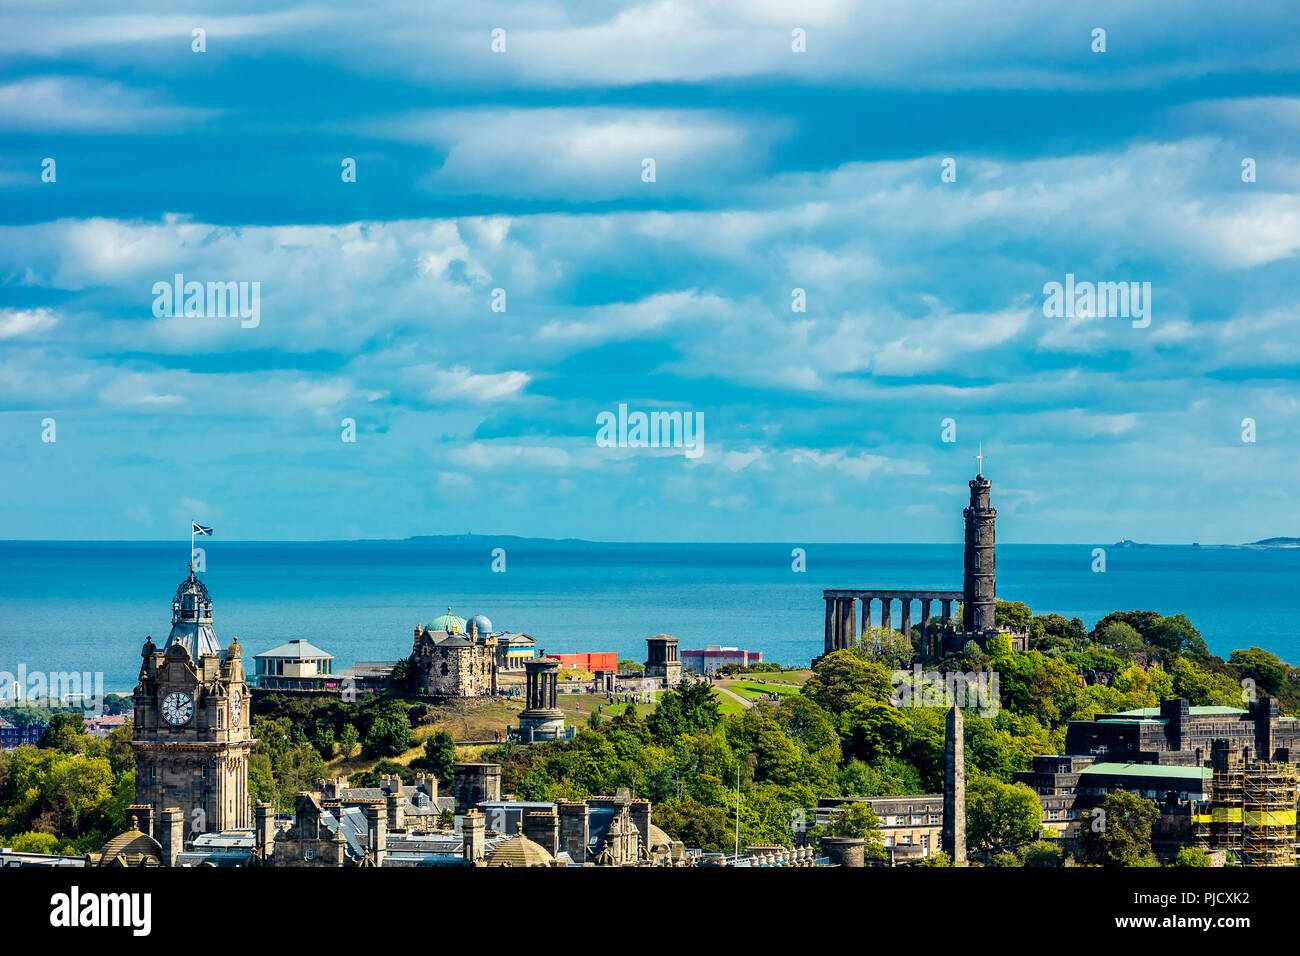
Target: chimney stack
(171, 834)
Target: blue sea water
(87, 606)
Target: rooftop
(1146, 770)
(297, 650)
(1195, 712)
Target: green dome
(448, 622)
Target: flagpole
(191, 560)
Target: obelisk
(954, 790)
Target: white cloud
(16, 322)
(87, 105)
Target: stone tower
(192, 720)
(662, 661)
(979, 586)
(954, 790)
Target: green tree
(843, 679)
(857, 819)
(65, 732)
(888, 647)
(1191, 856)
(349, 740)
(1001, 816)
(31, 842)
(387, 737)
(1118, 831)
(690, 707)
(1013, 614)
(694, 824)
(699, 704)
(1050, 633)
(402, 677)
(1268, 671)
(1122, 636)
(1177, 634)
(1041, 853)
(440, 755)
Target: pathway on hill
(734, 696)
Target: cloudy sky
(774, 170)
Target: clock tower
(192, 720)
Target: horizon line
(1123, 542)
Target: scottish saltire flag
(199, 529)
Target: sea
(88, 606)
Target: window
(934, 819)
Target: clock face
(177, 708)
(236, 705)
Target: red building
(599, 661)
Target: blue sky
(522, 171)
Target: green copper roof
(1195, 712)
(448, 622)
(1148, 770)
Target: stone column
(947, 611)
(907, 618)
(828, 644)
(866, 617)
(925, 626)
(886, 609)
(850, 627)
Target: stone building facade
(192, 720)
(1175, 733)
(452, 659)
(1161, 753)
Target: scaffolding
(1251, 811)
(1268, 815)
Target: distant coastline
(1261, 543)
